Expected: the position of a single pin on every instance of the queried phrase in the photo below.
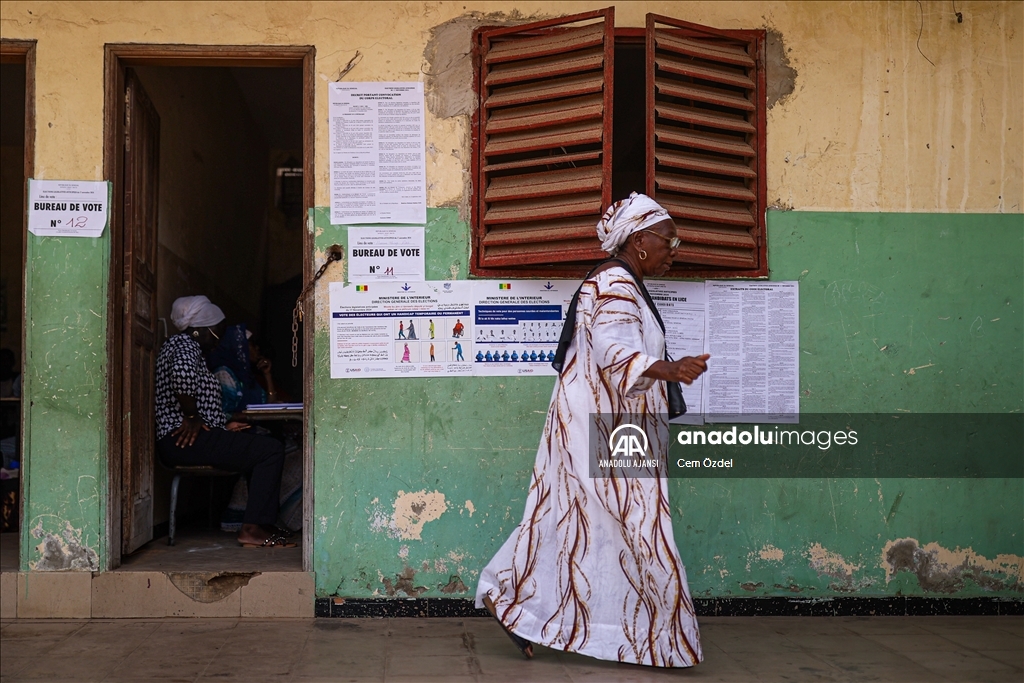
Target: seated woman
(190, 424)
(231, 362)
(239, 365)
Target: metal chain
(297, 311)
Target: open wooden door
(138, 431)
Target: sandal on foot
(525, 646)
(272, 541)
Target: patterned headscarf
(195, 311)
(627, 216)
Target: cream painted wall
(873, 124)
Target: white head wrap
(194, 311)
(627, 216)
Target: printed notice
(517, 325)
(67, 208)
(753, 337)
(682, 309)
(378, 168)
(401, 329)
(386, 254)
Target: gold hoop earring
(643, 255)
(195, 334)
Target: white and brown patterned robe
(593, 567)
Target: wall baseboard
(706, 607)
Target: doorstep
(152, 594)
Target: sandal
(272, 541)
(525, 646)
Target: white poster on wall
(67, 208)
(753, 336)
(516, 325)
(682, 306)
(401, 329)
(386, 253)
(377, 148)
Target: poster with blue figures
(516, 325)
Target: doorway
(210, 153)
(17, 135)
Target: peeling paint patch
(413, 510)
(403, 582)
(380, 521)
(449, 58)
(470, 508)
(770, 553)
(941, 570)
(779, 74)
(828, 563)
(454, 585)
(63, 553)
(448, 67)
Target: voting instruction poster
(517, 324)
(401, 329)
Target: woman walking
(593, 567)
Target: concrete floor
(792, 649)
(198, 550)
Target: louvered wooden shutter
(705, 129)
(543, 141)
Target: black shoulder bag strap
(676, 403)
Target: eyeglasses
(673, 242)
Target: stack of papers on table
(274, 406)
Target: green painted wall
(65, 393)
(881, 294)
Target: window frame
(578, 269)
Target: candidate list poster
(517, 325)
(753, 336)
(401, 329)
(682, 306)
(377, 143)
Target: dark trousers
(259, 457)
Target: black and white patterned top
(181, 369)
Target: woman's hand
(685, 370)
(236, 426)
(264, 366)
(189, 431)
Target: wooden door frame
(24, 52)
(116, 58)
